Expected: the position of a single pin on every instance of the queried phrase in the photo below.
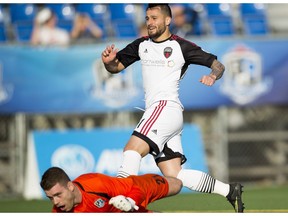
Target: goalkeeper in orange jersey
(95, 192)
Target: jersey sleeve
(194, 54)
(129, 54)
(136, 194)
(55, 209)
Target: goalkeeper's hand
(123, 203)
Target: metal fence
(247, 144)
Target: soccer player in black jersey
(164, 59)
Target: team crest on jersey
(243, 77)
(99, 203)
(167, 52)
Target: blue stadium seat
(22, 12)
(124, 28)
(255, 25)
(23, 31)
(220, 19)
(95, 11)
(63, 11)
(197, 27)
(254, 19)
(122, 17)
(222, 26)
(217, 9)
(65, 24)
(3, 36)
(252, 9)
(122, 11)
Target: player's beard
(159, 31)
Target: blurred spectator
(45, 32)
(85, 29)
(180, 26)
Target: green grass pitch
(256, 199)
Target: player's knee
(175, 185)
(138, 145)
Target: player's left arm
(217, 69)
(130, 200)
(123, 203)
(216, 73)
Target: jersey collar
(162, 40)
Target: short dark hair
(52, 176)
(164, 7)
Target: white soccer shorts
(161, 127)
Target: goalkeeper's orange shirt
(97, 189)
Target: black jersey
(163, 64)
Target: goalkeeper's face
(62, 196)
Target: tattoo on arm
(114, 66)
(217, 69)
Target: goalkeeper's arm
(123, 203)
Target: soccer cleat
(235, 197)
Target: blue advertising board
(73, 79)
(97, 150)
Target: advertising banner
(97, 150)
(73, 79)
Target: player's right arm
(111, 63)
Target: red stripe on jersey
(157, 111)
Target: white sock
(221, 188)
(130, 165)
(202, 182)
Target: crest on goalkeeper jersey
(99, 203)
